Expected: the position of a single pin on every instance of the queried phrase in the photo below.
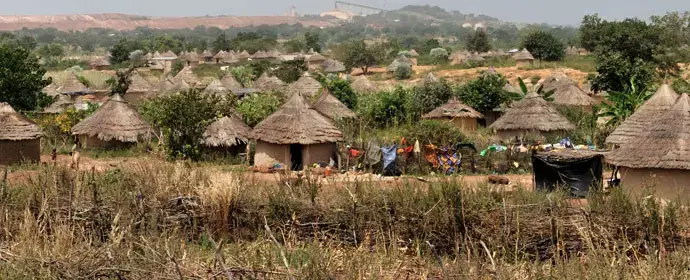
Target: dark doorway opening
(296, 157)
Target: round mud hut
(268, 83)
(524, 58)
(644, 117)
(331, 107)
(531, 117)
(459, 114)
(573, 96)
(306, 86)
(229, 82)
(139, 89)
(362, 84)
(228, 136)
(295, 136)
(20, 138)
(114, 124)
(658, 161)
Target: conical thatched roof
(316, 57)
(147, 56)
(557, 81)
(362, 84)
(179, 85)
(244, 55)
(72, 85)
(524, 54)
(572, 95)
(216, 86)
(333, 66)
(165, 85)
(260, 55)
(414, 53)
(229, 82)
(665, 145)
(187, 75)
(532, 113)
(475, 57)
(643, 118)
(227, 132)
(169, 55)
(60, 105)
(330, 106)
(192, 57)
(230, 58)
(51, 90)
(268, 83)
(115, 120)
(139, 84)
(453, 109)
(99, 62)
(297, 123)
(306, 85)
(207, 54)
(220, 55)
(15, 127)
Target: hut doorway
(296, 157)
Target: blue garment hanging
(389, 155)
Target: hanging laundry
(417, 149)
(373, 154)
(389, 156)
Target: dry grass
(96, 78)
(172, 221)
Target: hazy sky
(551, 11)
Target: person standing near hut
(75, 153)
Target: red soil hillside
(130, 22)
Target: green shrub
(341, 89)
(433, 131)
(403, 72)
(430, 95)
(256, 107)
(385, 108)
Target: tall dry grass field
(171, 221)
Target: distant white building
(466, 25)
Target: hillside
(131, 22)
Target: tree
(51, 50)
(311, 40)
(340, 88)
(624, 103)
(220, 43)
(403, 72)
(27, 42)
(22, 78)
(439, 55)
(356, 54)
(428, 45)
(294, 46)
(484, 93)
(291, 70)
(243, 74)
(478, 42)
(183, 118)
(121, 82)
(256, 107)
(119, 53)
(430, 95)
(590, 32)
(544, 46)
(177, 67)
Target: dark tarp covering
(576, 172)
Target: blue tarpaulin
(389, 155)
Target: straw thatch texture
(72, 85)
(216, 86)
(187, 75)
(115, 120)
(363, 84)
(244, 55)
(330, 106)
(269, 83)
(227, 132)
(15, 127)
(665, 145)
(169, 55)
(316, 58)
(60, 105)
(207, 54)
(306, 86)
(156, 55)
(524, 54)
(532, 113)
(643, 118)
(453, 109)
(414, 53)
(572, 95)
(192, 57)
(476, 57)
(333, 66)
(297, 123)
(99, 62)
(557, 81)
(229, 82)
(51, 90)
(260, 55)
(401, 60)
(220, 55)
(139, 84)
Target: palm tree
(540, 90)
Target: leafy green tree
(544, 46)
(21, 78)
(624, 103)
(291, 70)
(27, 42)
(294, 46)
(590, 32)
(403, 72)
(386, 108)
(484, 93)
(340, 88)
(428, 45)
(478, 42)
(177, 67)
(183, 118)
(430, 95)
(119, 53)
(312, 41)
(256, 107)
(164, 43)
(356, 54)
(220, 43)
(51, 50)
(243, 74)
(439, 55)
(121, 82)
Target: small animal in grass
(498, 180)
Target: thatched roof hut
(207, 55)
(401, 60)
(572, 95)
(156, 55)
(333, 66)
(192, 58)
(330, 106)
(187, 75)
(229, 82)
(531, 115)
(475, 57)
(51, 90)
(414, 53)
(244, 55)
(643, 118)
(461, 115)
(169, 55)
(362, 84)
(557, 81)
(227, 132)
(658, 158)
(295, 136)
(60, 105)
(306, 86)
(99, 63)
(524, 54)
(316, 58)
(268, 83)
(139, 84)
(260, 55)
(72, 85)
(297, 123)
(216, 86)
(19, 137)
(115, 121)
